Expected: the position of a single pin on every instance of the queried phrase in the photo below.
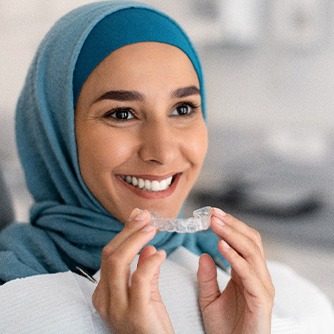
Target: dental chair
(6, 204)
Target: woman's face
(140, 132)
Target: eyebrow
(185, 91)
(121, 95)
(131, 95)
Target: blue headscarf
(68, 226)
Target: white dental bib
(61, 303)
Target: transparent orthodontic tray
(199, 222)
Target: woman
(165, 135)
(110, 128)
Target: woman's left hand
(245, 305)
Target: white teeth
(128, 179)
(155, 185)
(147, 184)
(141, 183)
(134, 181)
(163, 184)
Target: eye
(184, 109)
(121, 114)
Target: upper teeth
(148, 184)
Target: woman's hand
(245, 305)
(132, 303)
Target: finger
(246, 270)
(116, 266)
(241, 242)
(145, 280)
(137, 220)
(126, 251)
(207, 281)
(113, 286)
(145, 253)
(256, 286)
(243, 245)
(240, 226)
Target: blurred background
(269, 70)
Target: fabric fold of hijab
(68, 227)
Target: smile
(148, 185)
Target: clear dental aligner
(199, 222)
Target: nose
(159, 143)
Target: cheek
(201, 138)
(196, 145)
(101, 151)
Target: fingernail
(150, 227)
(139, 215)
(162, 253)
(220, 212)
(133, 214)
(218, 221)
(225, 245)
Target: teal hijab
(68, 227)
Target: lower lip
(152, 194)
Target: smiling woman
(110, 127)
(158, 125)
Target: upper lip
(151, 177)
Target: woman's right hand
(131, 303)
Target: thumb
(207, 281)
(146, 253)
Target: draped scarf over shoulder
(68, 227)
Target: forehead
(154, 50)
(153, 53)
(149, 62)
